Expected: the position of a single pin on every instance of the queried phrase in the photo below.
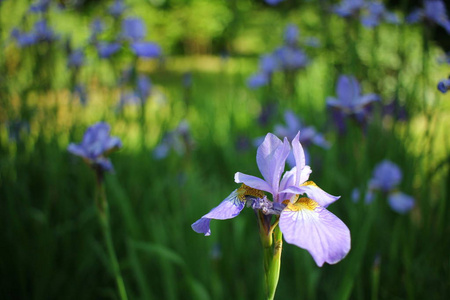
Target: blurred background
(190, 87)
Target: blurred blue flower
(395, 110)
(41, 32)
(377, 12)
(146, 49)
(187, 79)
(444, 85)
(400, 202)
(273, 2)
(268, 64)
(76, 59)
(349, 8)
(96, 145)
(106, 49)
(179, 140)
(133, 29)
(350, 102)
(290, 58)
(434, 12)
(291, 35)
(143, 87)
(97, 27)
(40, 6)
(386, 177)
(117, 8)
(257, 80)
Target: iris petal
(317, 230)
(314, 192)
(253, 182)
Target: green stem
(103, 213)
(271, 239)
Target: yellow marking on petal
(245, 190)
(301, 204)
(309, 183)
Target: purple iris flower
(291, 58)
(350, 102)
(43, 31)
(291, 34)
(268, 64)
(106, 49)
(143, 87)
(349, 8)
(257, 80)
(434, 11)
(117, 8)
(400, 202)
(76, 59)
(97, 27)
(377, 12)
(386, 177)
(25, 39)
(133, 29)
(40, 6)
(146, 49)
(304, 222)
(273, 2)
(444, 85)
(179, 140)
(96, 145)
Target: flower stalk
(103, 213)
(272, 242)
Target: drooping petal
(202, 226)
(76, 150)
(227, 209)
(252, 181)
(311, 227)
(314, 192)
(271, 157)
(400, 202)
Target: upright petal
(271, 157)
(299, 156)
(347, 88)
(311, 227)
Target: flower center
(245, 190)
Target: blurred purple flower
(146, 49)
(349, 8)
(386, 177)
(434, 12)
(143, 87)
(377, 12)
(76, 59)
(444, 85)
(106, 49)
(268, 64)
(179, 139)
(117, 8)
(257, 80)
(273, 2)
(40, 6)
(304, 222)
(41, 32)
(350, 102)
(395, 110)
(291, 58)
(96, 145)
(400, 202)
(133, 29)
(291, 35)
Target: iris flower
(434, 12)
(303, 220)
(444, 85)
(133, 29)
(146, 49)
(386, 177)
(96, 145)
